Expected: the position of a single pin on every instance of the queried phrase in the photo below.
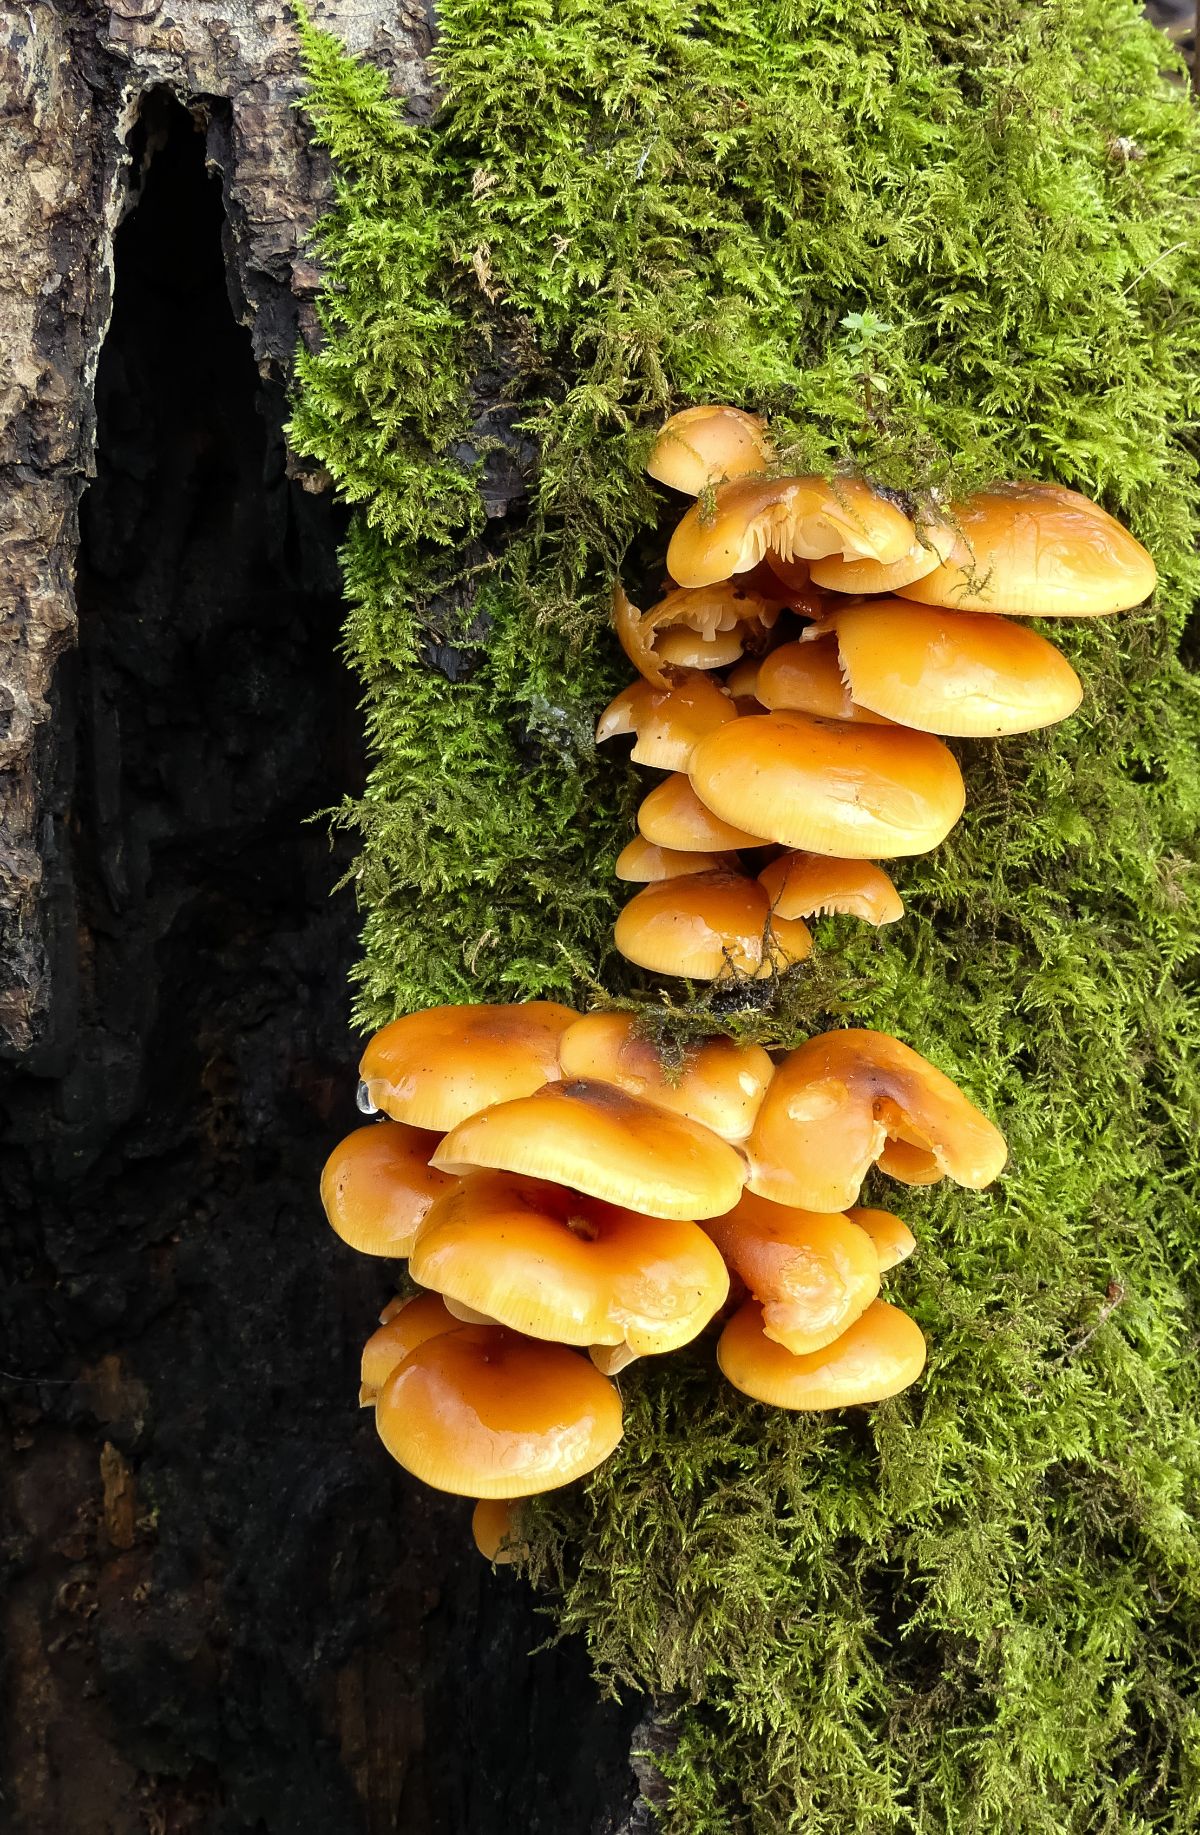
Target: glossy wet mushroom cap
(596, 1139)
(485, 1413)
(672, 816)
(699, 446)
(831, 787)
(496, 1529)
(806, 678)
(894, 1241)
(833, 1104)
(709, 925)
(687, 629)
(716, 1082)
(822, 885)
(934, 542)
(795, 518)
(965, 674)
(404, 1326)
(377, 1185)
(876, 1357)
(1037, 551)
(554, 1263)
(434, 1068)
(667, 722)
(640, 862)
(812, 1274)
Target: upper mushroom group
(854, 638)
(570, 1202)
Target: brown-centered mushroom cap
(831, 787)
(433, 1069)
(818, 885)
(796, 518)
(667, 722)
(812, 1274)
(832, 1105)
(878, 1356)
(482, 1412)
(378, 1184)
(718, 1083)
(596, 1139)
(640, 862)
(806, 678)
(404, 1326)
(966, 674)
(699, 446)
(894, 1241)
(687, 629)
(673, 816)
(557, 1264)
(1037, 551)
(709, 925)
(933, 544)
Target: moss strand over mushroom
(950, 245)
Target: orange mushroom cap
(806, 678)
(673, 816)
(556, 1264)
(668, 721)
(795, 518)
(641, 862)
(812, 1274)
(695, 630)
(404, 1327)
(699, 446)
(831, 787)
(482, 1412)
(432, 1069)
(894, 1241)
(719, 1084)
(961, 673)
(932, 545)
(706, 925)
(377, 1185)
(832, 1105)
(597, 1139)
(496, 1528)
(815, 885)
(1040, 551)
(878, 1356)
(909, 1164)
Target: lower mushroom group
(571, 1201)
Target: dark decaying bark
(224, 1608)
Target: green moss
(943, 243)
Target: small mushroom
(672, 816)
(667, 722)
(707, 925)
(377, 1185)
(812, 1274)
(485, 1413)
(894, 1241)
(699, 446)
(966, 674)
(405, 1325)
(640, 862)
(876, 1357)
(795, 518)
(1038, 551)
(706, 630)
(829, 786)
(597, 1139)
(832, 1107)
(933, 544)
(496, 1528)
(432, 1069)
(719, 1083)
(554, 1263)
(819, 885)
(807, 678)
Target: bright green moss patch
(942, 243)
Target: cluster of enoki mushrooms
(568, 1199)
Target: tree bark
(224, 1609)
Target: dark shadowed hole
(248, 1618)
